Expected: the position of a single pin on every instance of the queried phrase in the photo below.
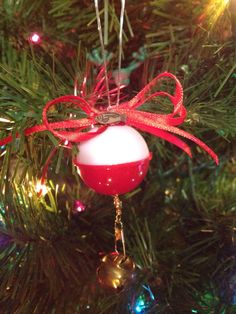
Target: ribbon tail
(201, 144)
(76, 137)
(27, 132)
(192, 138)
(167, 137)
(7, 140)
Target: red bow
(161, 125)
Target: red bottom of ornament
(114, 179)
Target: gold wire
(122, 13)
(120, 48)
(103, 51)
(118, 226)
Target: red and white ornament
(115, 161)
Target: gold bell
(115, 270)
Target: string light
(35, 38)
(143, 302)
(2, 212)
(3, 148)
(41, 188)
(79, 206)
(141, 305)
(5, 120)
(215, 9)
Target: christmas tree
(56, 233)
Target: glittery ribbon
(160, 125)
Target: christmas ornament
(119, 118)
(114, 162)
(160, 125)
(116, 270)
(121, 76)
(113, 157)
(96, 57)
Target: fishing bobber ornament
(115, 161)
(113, 157)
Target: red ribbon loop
(160, 125)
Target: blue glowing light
(144, 301)
(140, 305)
(150, 292)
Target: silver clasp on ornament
(110, 118)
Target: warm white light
(4, 120)
(35, 38)
(79, 209)
(41, 188)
